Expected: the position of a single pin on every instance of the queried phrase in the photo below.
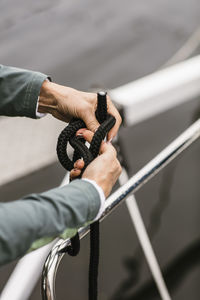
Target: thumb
(91, 122)
(107, 148)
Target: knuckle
(118, 167)
(92, 125)
(114, 151)
(120, 119)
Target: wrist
(101, 196)
(47, 101)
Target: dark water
(93, 43)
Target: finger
(79, 164)
(74, 173)
(91, 121)
(86, 134)
(114, 112)
(80, 131)
(107, 148)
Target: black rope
(68, 135)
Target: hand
(64, 103)
(104, 170)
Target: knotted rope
(68, 135)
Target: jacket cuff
(31, 94)
(90, 192)
(19, 91)
(101, 195)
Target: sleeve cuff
(101, 195)
(32, 93)
(37, 113)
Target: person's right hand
(104, 170)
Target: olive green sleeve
(19, 91)
(44, 215)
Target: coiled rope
(68, 135)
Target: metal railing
(140, 100)
(134, 183)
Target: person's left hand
(98, 170)
(65, 103)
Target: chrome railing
(134, 183)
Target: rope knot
(68, 135)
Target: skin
(98, 169)
(65, 103)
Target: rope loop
(68, 135)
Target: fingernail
(80, 131)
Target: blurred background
(104, 44)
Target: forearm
(19, 91)
(45, 215)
